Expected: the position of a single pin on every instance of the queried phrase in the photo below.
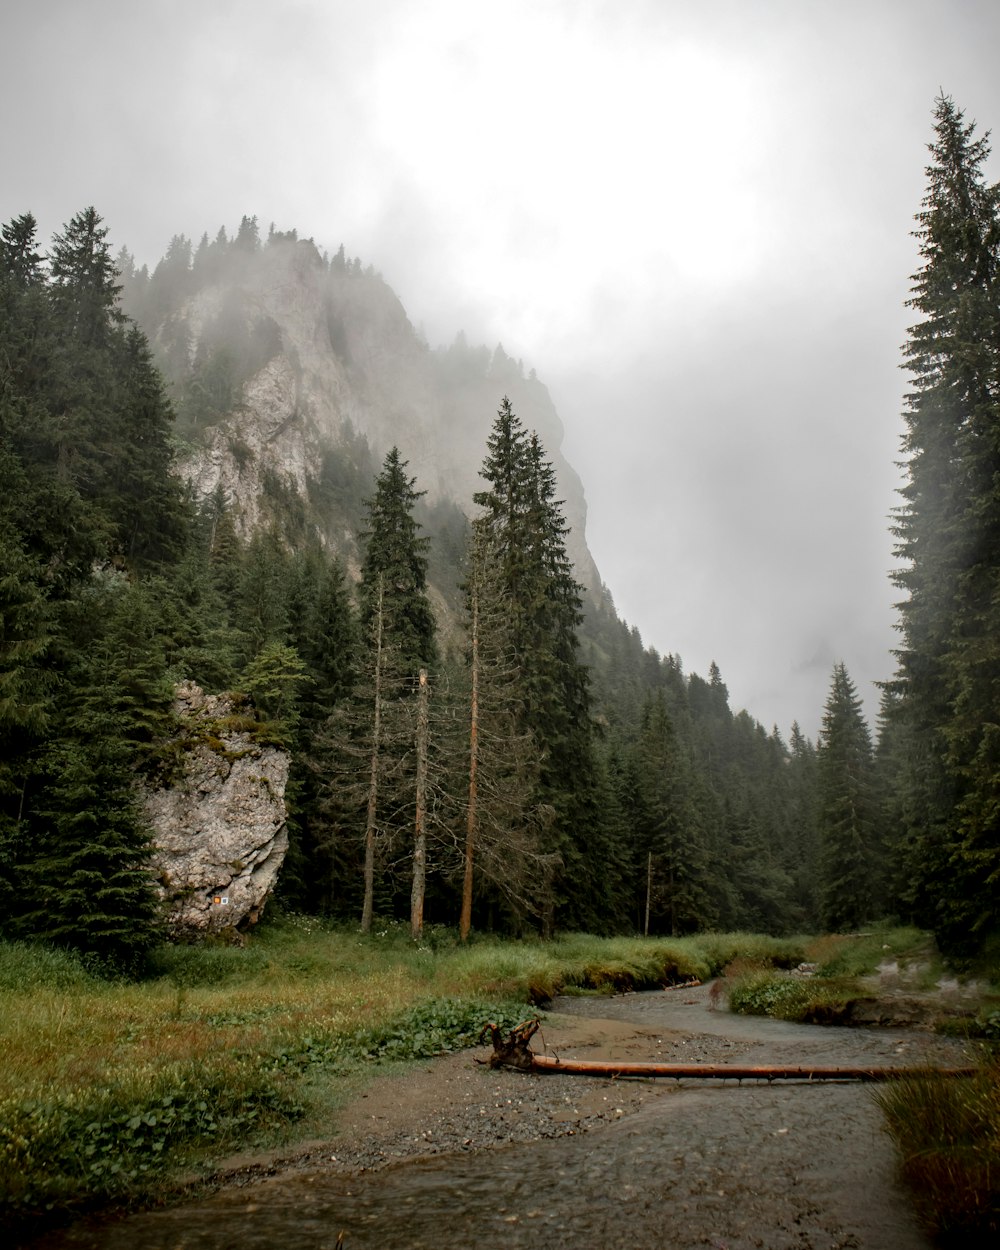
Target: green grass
(857, 955)
(948, 1134)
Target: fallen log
(732, 1071)
(514, 1051)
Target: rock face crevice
(219, 828)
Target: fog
(693, 220)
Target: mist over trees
(476, 738)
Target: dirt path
(451, 1152)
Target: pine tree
(669, 841)
(849, 890)
(374, 735)
(523, 522)
(84, 278)
(805, 836)
(503, 821)
(87, 883)
(948, 533)
(394, 570)
(26, 697)
(20, 259)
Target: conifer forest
(475, 739)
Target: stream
(723, 1165)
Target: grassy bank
(111, 1090)
(834, 967)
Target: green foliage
(861, 954)
(946, 1132)
(750, 950)
(948, 536)
(762, 992)
(395, 567)
(215, 964)
(273, 679)
(93, 1145)
(431, 1028)
(849, 859)
(523, 524)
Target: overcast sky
(691, 218)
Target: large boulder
(219, 828)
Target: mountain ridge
(321, 354)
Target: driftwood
(514, 1051)
(734, 1071)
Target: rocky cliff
(318, 357)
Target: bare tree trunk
(366, 912)
(649, 891)
(420, 820)
(465, 923)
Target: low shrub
(436, 1027)
(762, 992)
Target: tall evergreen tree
(948, 532)
(849, 860)
(394, 570)
(804, 833)
(503, 853)
(669, 841)
(522, 520)
(376, 734)
(84, 278)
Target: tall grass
(948, 1134)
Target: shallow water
(709, 1164)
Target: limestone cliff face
(219, 830)
(343, 361)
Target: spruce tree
(804, 834)
(523, 521)
(87, 882)
(394, 570)
(948, 532)
(669, 840)
(84, 280)
(375, 733)
(849, 889)
(503, 855)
